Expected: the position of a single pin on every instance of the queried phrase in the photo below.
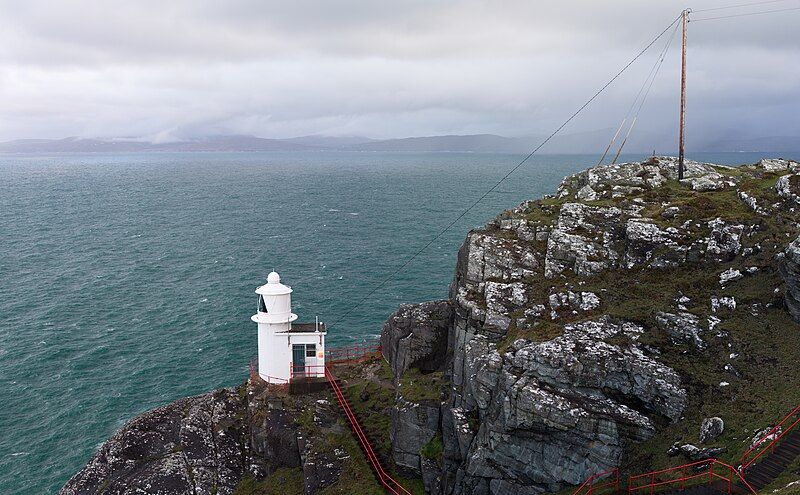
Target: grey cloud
(383, 69)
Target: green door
(299, 358)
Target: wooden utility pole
(684, 20)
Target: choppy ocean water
(126, 280)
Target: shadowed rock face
(195, 445)
(790, 270)
(416, 336)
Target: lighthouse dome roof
(273, 287)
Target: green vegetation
(433, 449)
(541, 331)
(416, 386)
(356, 477)
(284, 481)
(371, 401)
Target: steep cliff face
(586, 322)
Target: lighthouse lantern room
(286, 349)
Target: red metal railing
(353, 353)
(390, 484)
(337, 355)
(308, 371)
(758, 449)
(590, 487)
(700, 470)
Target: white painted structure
(286, 349)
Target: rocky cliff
(610, 314)
(614, 324)
(244, 441)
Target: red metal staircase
(775, 451)
(388, 483)
(778, 448)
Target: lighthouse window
(311, 350)
(261, 306)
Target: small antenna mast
(684, 21)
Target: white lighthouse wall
(315, 365)
(275, 352)
(273, 356)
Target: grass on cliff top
(416, 386)
(764, 338)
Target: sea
(126, 280)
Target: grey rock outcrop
(694, 453)
(790, 271)
(541, 414)
(682, 328)
(553, 411)
(416, 336)
(207, 444)
(778, 165)
(195, 445)
(711, 429)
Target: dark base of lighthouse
(300, 386)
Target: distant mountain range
(585, 142)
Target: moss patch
(416, 386)
(284, 481)
(433, 449)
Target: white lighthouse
(286, 350)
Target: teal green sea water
(126, 281)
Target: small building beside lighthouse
(286, 349)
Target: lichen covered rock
(194, 445)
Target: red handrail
(591, 487)
(352, 353)
(309, 371)
(654, 480)
(390, 484)
(746, 462)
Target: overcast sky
(173, 69)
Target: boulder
(777, 165)
(730, 275)
(711, 429)
(695, 453)
(416, 336)
(789, 268)
(788, 188)
(682, 328)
